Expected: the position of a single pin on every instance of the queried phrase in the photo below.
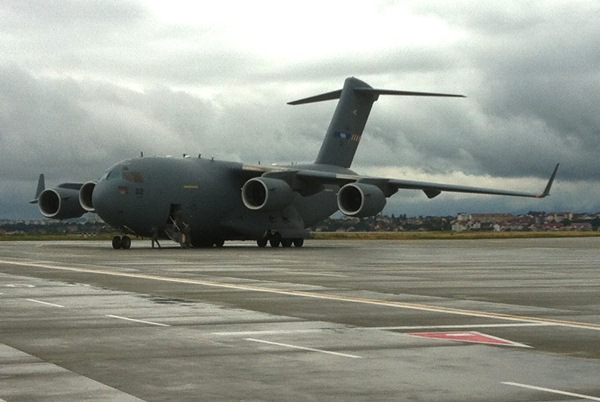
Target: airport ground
(430, 320)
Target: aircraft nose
(105, 202)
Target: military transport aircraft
(204, 202)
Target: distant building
(559, 216)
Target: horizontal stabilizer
(404, 93)
(318, 98)
(372, 91)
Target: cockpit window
(114, 174)
(123, 172)
(135, 177)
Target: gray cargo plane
(204, 202)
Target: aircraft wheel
(125, 243)
(286, 243)
(275, 240)
(262, 242)
(298, 242)
(219, 243)
(117, 242)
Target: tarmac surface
(449, 320)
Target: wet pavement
(453, 320)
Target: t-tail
(356, 99)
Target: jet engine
(60, 203)
(360, 200)
(85, 196)
(266, 194)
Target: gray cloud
(86, 84)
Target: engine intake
(360, 200)
(60, 203)
(85, 196)
(266, 194)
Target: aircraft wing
(390, 186)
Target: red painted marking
(467, 336)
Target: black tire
(262, 242)
(298, 242)
(275, 240)
(117, 242)
(286, 243)
(125, 243)
(219, 243)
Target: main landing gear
(275, 240)
(121, 242)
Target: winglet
(549, 185)
(40, 187)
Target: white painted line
(550, 390)
(511, 343)
(46, 303)
(285, 345)
(320, 296)
(140, 321)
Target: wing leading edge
(390, 186)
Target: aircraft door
(176, 228)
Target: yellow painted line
(320, 296)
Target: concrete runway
(346, 320)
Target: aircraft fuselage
(141, 195)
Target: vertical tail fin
(356, 99)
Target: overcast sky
(85, 84)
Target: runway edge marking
(320, 296)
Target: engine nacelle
(60, 203)
(360, 200)
(266, 194)
(85, 196)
